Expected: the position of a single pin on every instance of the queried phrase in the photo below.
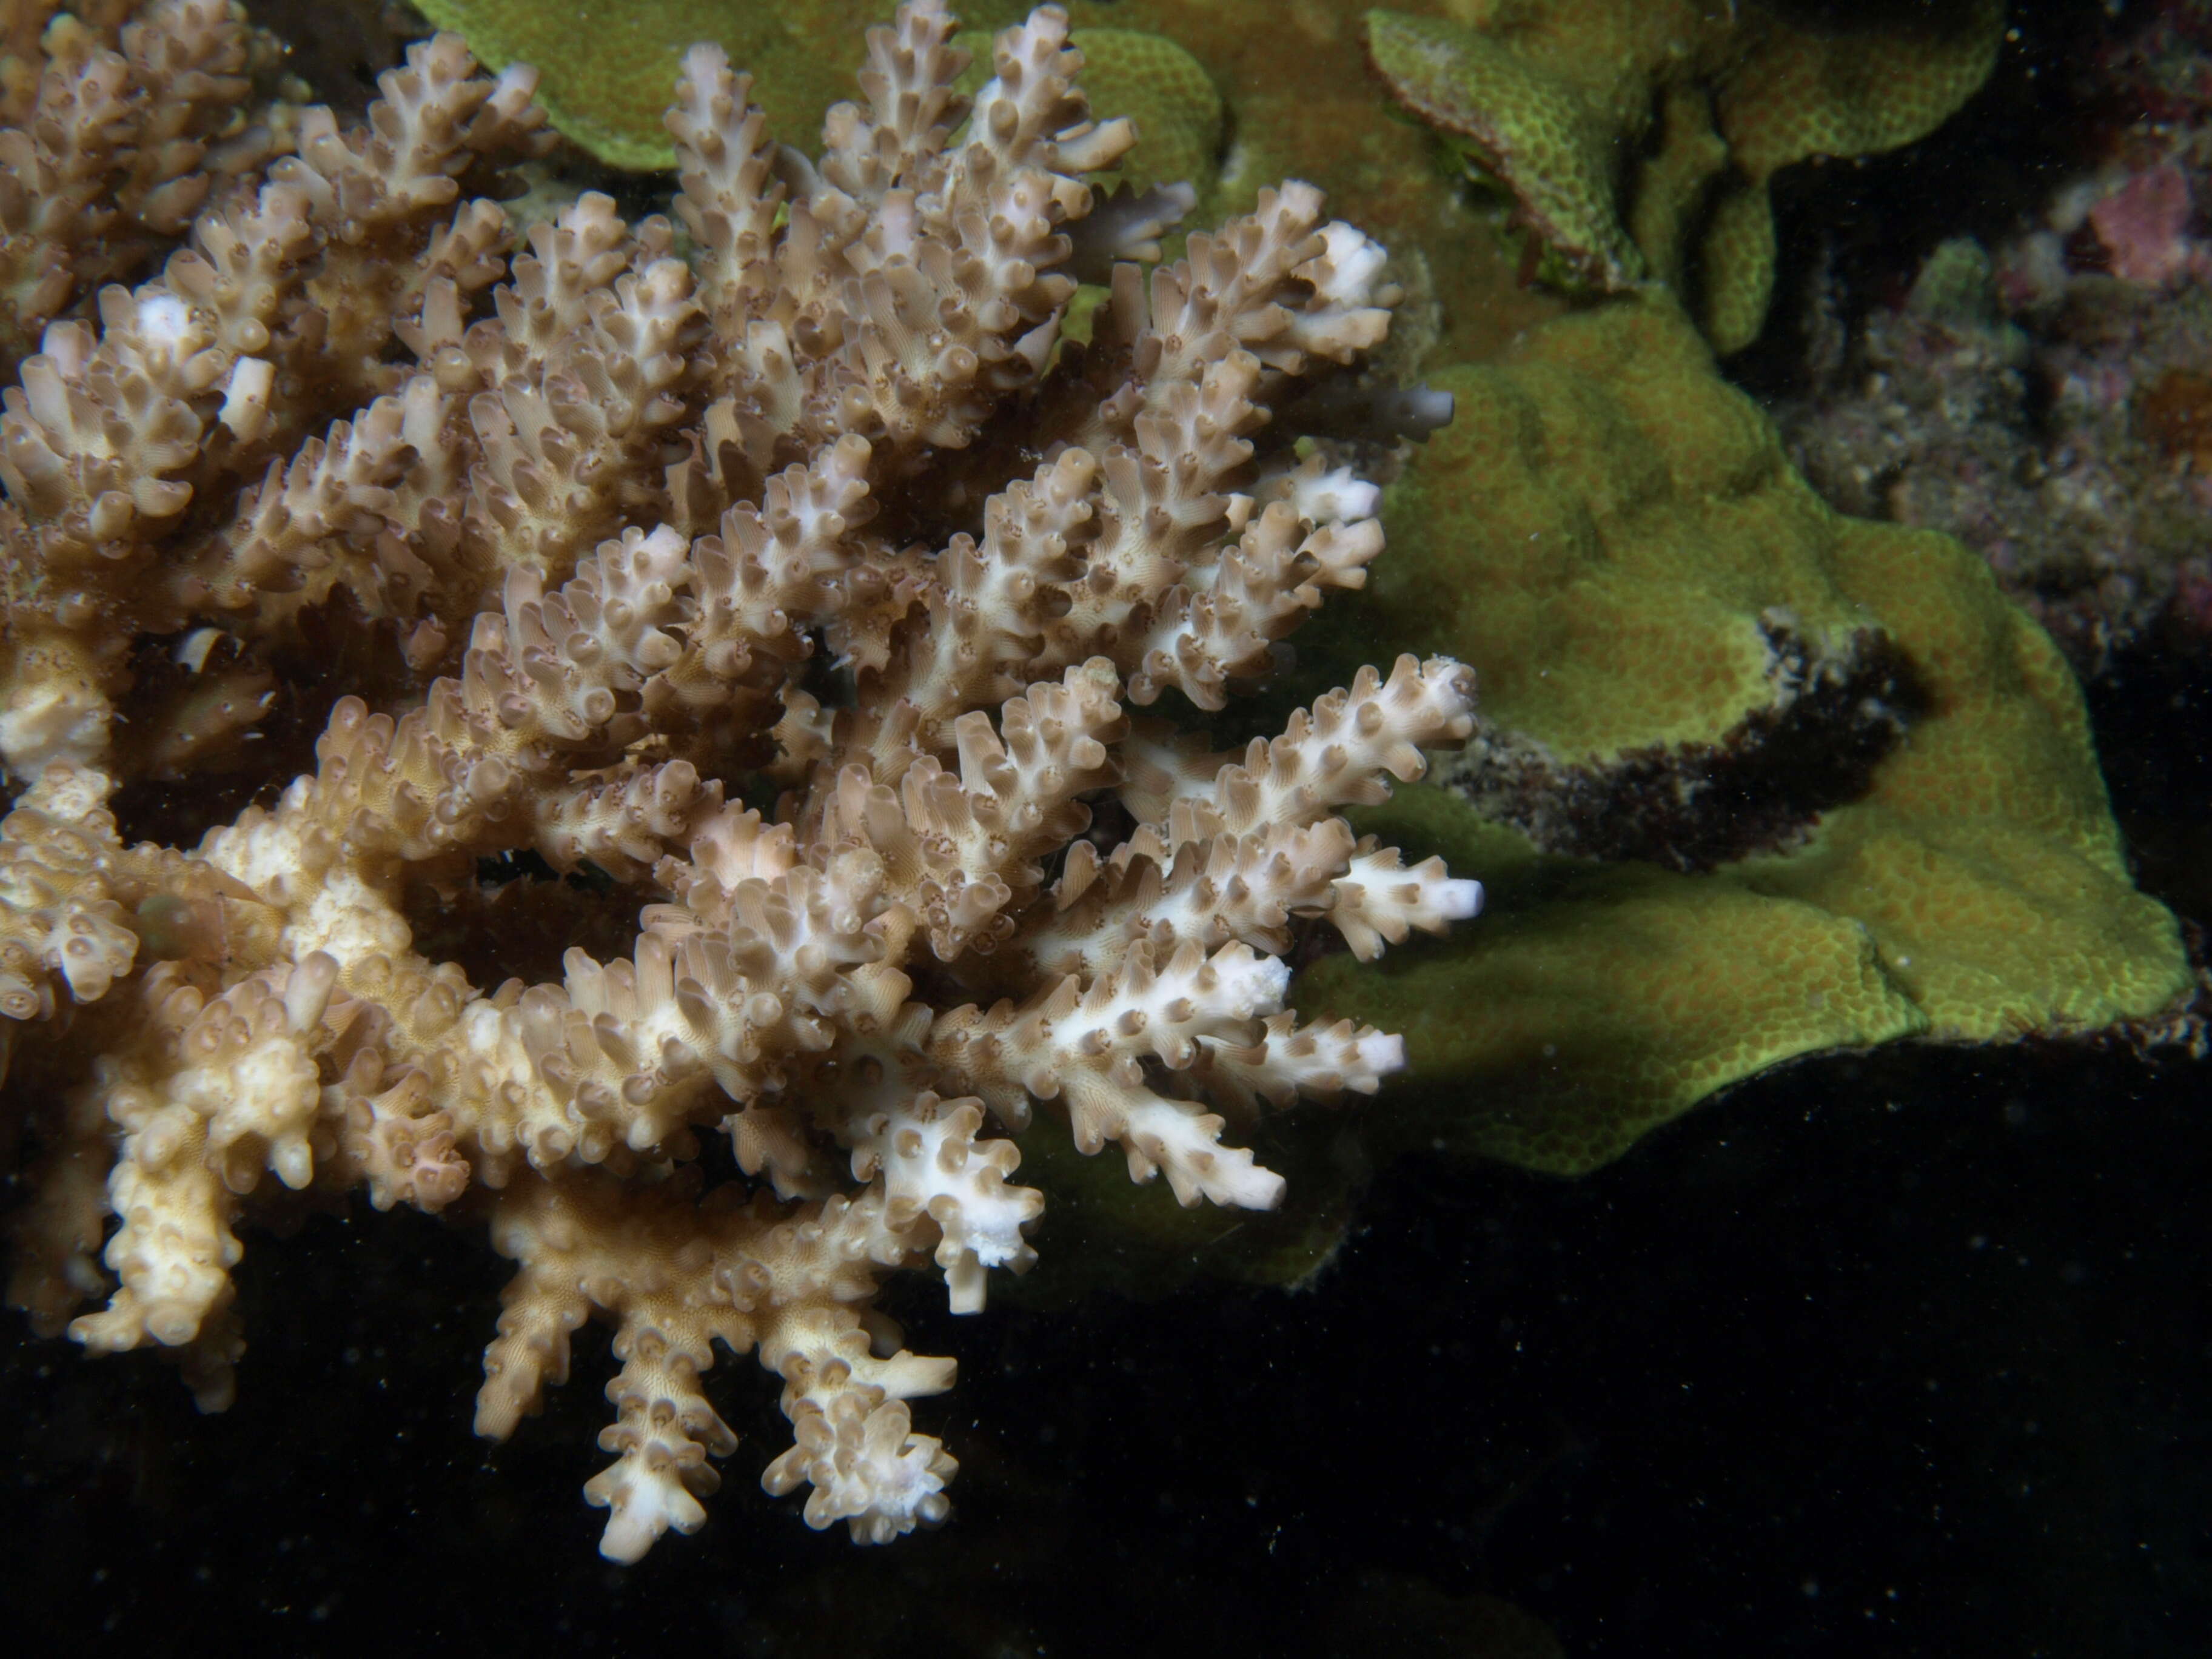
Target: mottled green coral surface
(1599, 536)
(607, 67)
(1608, 531)
(1562, 100)
(1633, 138)
(1228, 95)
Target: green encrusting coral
(1228, 95)
(1637, 137)
(606, 70)
(607, 67)
(1608, 531)
(1976, 892)
(1149, 78)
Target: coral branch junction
(791, 575)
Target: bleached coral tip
(1382, 1053)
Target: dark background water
(1900, 1354)
(1903, 1354)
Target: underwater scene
(1148, 827)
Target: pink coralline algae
(2143, 226)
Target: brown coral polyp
(824, 516)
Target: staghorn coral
(127, 444)
(1229, 97)
(829, 517)
(1167, 93)
(607, 89)
(113, 128)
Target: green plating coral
(1603, 533)
(1637, 137)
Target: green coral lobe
(1601, 539)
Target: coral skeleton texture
(790, 575)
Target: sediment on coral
(1837, 713)
(1607, 534)
(765, 620)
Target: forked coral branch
(826, 505)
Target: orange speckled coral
(1976, 892)
(1793, 92)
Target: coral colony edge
(794, 589)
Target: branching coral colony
(828, 508)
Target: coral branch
(826, 515)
